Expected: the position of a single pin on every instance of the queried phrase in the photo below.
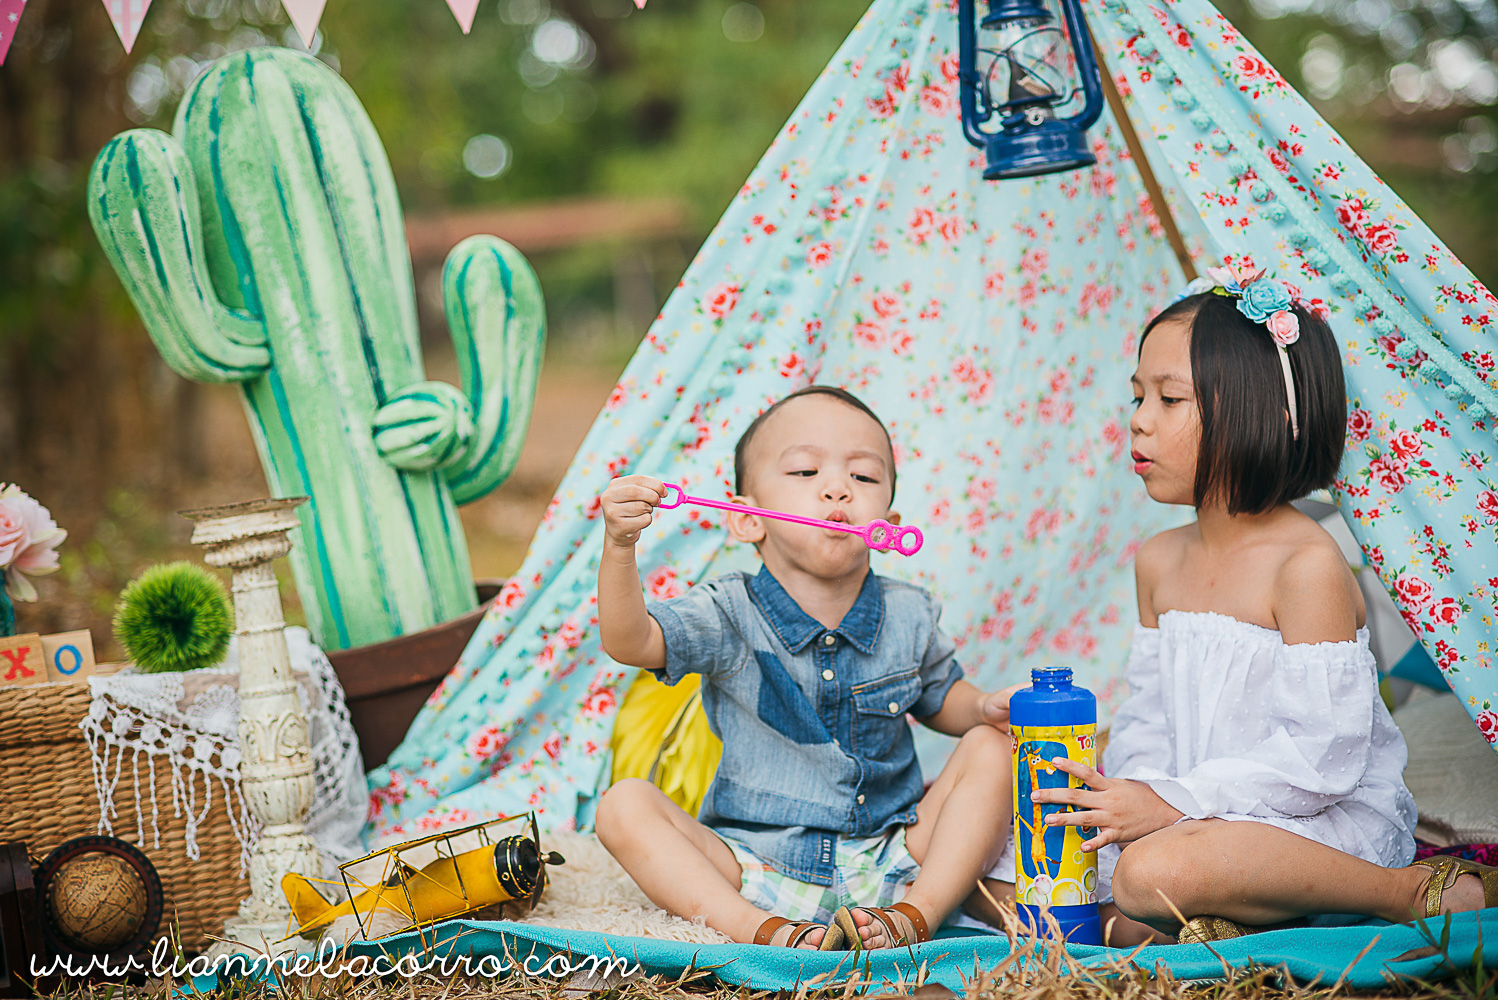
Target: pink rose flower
(28, 542)
(1413, 592)
(819, 255)
(1381, 238)
(1352, 215)
(721, 300)
(1487, 724)
(1284, 328)
(937, 101)
(1389, 471)
(1359, 425)
(1406, 444)
(1250, 67)
(1487, 505)
(886, 304)
(1446, 611)
(12, 534)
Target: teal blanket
(1368, 956)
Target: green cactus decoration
(264, 245)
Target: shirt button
(827, 675)
(860, 800)
(829, 639)
(894, 706)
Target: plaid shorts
(868, 871)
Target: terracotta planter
(386, 683)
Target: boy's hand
(995, 707)
(628, 504)
(1122, 810)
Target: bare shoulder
(1316, 596)
(1156, 559)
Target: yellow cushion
(661, 735)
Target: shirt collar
(860, 626)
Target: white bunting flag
(463, 10)
(304, 16)
(10, 19)
(126, 16)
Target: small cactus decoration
(263, 244)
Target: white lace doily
(189, 724)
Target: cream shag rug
(588, 893)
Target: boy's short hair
(1247, 455)
(842, 395)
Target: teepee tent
(993, 326)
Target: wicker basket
(47, 796)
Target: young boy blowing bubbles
(808, 671)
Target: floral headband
(1262, 300)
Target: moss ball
(175, 616)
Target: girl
(1253, 775)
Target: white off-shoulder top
(1225, 720)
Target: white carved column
(276, 768)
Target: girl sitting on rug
(1254, 776)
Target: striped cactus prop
(264, 245)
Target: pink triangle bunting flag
(126, 16)
(10, 19)
(464, 10)
(639, 4)
(304, 16)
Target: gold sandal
(834, 938)
(1200, 930)
(1445, 870)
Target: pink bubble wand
(878, 534)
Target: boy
(808, 671)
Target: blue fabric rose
(1263, 299)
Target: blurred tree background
(544, 100)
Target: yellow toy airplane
(448, 886)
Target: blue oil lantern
(1017, 65)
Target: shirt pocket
(879, 709)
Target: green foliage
(174, 616)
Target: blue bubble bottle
(1053, 718)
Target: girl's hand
(628, 504)
(1122, 810)
(995, 707)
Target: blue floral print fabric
(993, 326)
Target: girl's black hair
(842, 395)
(1247, 457)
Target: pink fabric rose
(1406, 444)
(1413, 592)
(1487, 505)
(1446, 611)
(28, 542)
(12, 533)
(1487, 724)
(1359, 424)
(1284, 327)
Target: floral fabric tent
(994, 327)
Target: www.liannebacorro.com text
(327, 962)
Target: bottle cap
(1050, 675)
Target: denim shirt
(815, 739)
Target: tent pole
(1136, 152)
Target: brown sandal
(892, 930)
(833, 940)
(1445, 870)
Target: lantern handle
(1087, 66)
(967, 74)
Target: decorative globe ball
(98, 902)
(175, 616)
